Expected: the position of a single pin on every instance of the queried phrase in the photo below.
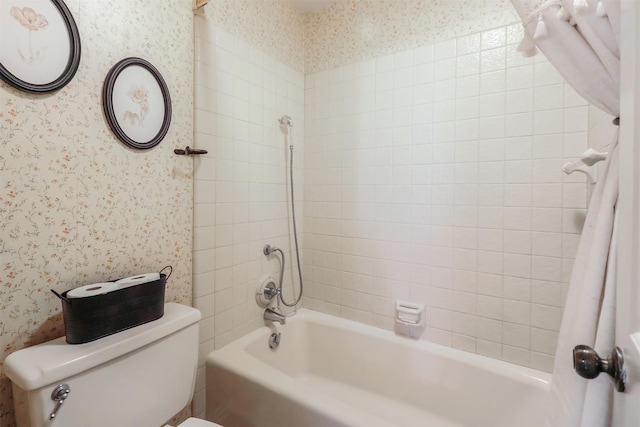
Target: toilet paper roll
(137, 280)
(91, 290)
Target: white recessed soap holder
(408, 313)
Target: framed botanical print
(39, 45)
(136, 103)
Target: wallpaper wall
(352, 30)
(272, 26)
(77, 205)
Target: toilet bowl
(139, 377)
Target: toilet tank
(139, 377)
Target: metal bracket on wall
(188, 151)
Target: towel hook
(188, 151)
(585, 164)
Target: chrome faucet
(273, 316)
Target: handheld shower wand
(287, 121)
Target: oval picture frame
(136, 103)
(33, 44)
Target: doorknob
(588, 364)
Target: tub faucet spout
(273, 316)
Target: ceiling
(306, 6)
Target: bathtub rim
(539, 379)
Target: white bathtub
(329, 371)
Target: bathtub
(329, 371)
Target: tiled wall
(241, 196)
(433, 175)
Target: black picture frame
(32, 21)
(130, 83)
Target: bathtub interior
(393, 379)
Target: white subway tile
(519, 101)
(493, 105)
(489, 348)
(516, 335)
(517, 218)
(544, 341)
(518, 148)
(490, 284)
(547, 293)
(493, 60)
(491, 150)
(575, 144)
(520, 77)
(546, 268)
(467, 65)
(545, 74)
(489, 307)
(546, 317)
(494, 38)
(491, 195)
(445, 69)
(517, 265)
(549, 97)
(548, 121)
(468, 44)
(547, 195)
(516, 355)
(516, 312)
(517, 195)
(518, 242)
(518, 171)
(576, 119)
(517, 288)
(492, 127)
(464, 324)
(468, 86)
(489, 329)
(547, 219)
(492, 82)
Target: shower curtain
(581, 38)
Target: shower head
(285, 121)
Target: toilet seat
(197, 422)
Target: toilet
(139, 377)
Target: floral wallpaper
(77, 205)
(353, 30)
(271, 26)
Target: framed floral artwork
(136, 103)
(39, 45)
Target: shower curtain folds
(581, 38)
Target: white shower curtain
(581, 38)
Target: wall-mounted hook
(188, 151)
(585, 164)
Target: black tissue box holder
(90, 318)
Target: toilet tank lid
(43, 364)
